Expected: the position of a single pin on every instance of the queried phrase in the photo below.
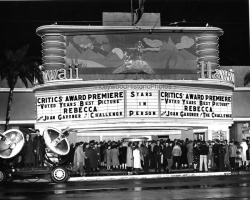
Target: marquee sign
(142, 103)
(194, 105)
(60, 74)
(99, 105)
(224, 75)
(133, 101)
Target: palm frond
(19, 65)
(24, 80)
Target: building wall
(241, 108)
(239, 74)
(23, 110)
(23, 107)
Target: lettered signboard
(98, 105)
(195, 105)
(134, 101)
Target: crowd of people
(162, 156)
(158, 156)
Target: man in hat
(39, 148)
(222, 152)
(88, 153)
(232, 154)
(167, 153)
(157, 154)
(216, 152)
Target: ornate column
(54, 51)
(207, 49)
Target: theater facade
(112, 82)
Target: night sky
(19, 20)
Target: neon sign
(60, 74)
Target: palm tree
(247, 79)
(17, 65)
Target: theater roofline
(68, 29)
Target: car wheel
(59, 175)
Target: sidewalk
(105, 175)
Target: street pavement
(104, 175)
(122, 175)
(185, 188)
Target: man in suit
(157, 151)
(145, 154)
(39, 149)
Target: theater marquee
(134, 101)
(142, 103)
(194, 105)
(100, 105)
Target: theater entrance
(200, 136)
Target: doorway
(199, 136)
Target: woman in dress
(190, 154)
(105, 154)
(123, 155)
(196, 155)
(137, 159)
(184, 150)
(79, 159)
(210, 156)
(120, 154)
(244, 151)
(108, 158)
(94, 158)
(88, 153)
(129, 160)
(226, 156)
(238, 158)
(114, 157)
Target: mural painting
(159, 53)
